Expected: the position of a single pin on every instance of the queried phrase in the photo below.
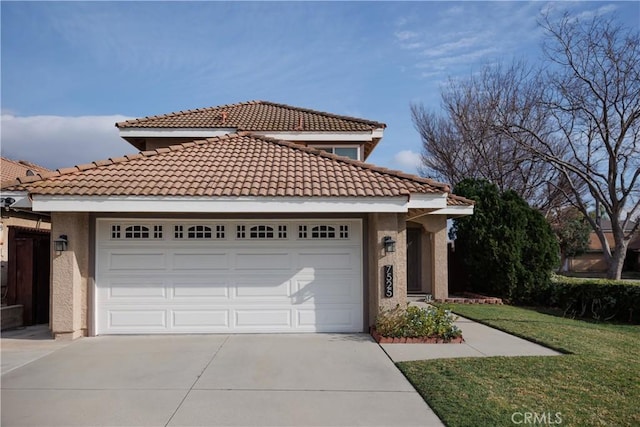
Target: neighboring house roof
(232, 165)
(255, 116)
(594, 241)
(605, 225)
(12, 169)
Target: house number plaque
(388, 281)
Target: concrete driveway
(214, 380)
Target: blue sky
(70, 70)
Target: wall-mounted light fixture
(60, 244)
(389, 244)
(6, 202)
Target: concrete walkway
(25, 345)
(213, 380)
(480, 341)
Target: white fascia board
(364, 136)
(454, 211)
(377, 133)
(427, 201)
(21, 198)
(219, 205)
(175, 132)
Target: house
(251, 217)
(593, 261)
(24, 249)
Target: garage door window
(198, 232)
(261, 232)
(323, 232)
(135, 232)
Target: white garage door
(182, 276)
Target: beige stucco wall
(69, 276)
(380, 225)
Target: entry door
(414, 259)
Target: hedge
(598, 299)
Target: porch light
(60, 244)
(7, 202)
(389, 244)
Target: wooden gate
(28, 273)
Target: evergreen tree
(507, 247)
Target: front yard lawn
(596, 384)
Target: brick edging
(413, 340)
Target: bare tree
(570, 129)
(590, 104)
(467, 143)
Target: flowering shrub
(415, 322)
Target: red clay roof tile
(236, 165)
(12, 169)
(255, 116)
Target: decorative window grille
(282, 232)
(261, 232)
(344, 231)
(136, 232)
(240, 232)
(302, 232)
(323, 232)
(178, 232)
(115, 231)
(157, 232)
(199, 232)
(219, 231)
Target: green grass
(597, 383)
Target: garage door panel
(262, 318)
(325, 260)
(192, 318)
(170, 284)
(262, 261)
(265, 287)
(136, 318)
(328, 289)
(136, 260)
(198, 288)
(200, 261)
(125, 289)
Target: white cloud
(407, 160)
(59, 141)
(406, 35)
(444, 48)
(411, 46)
(602, 10)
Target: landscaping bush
(507, 248)
(417, 322)
(598, 299)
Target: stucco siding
(69, 276)
(381, 225)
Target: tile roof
(12, 169)
(255, 116)
(232, 165)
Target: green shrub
(507, 248)
(414, 322)
(598, 299)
